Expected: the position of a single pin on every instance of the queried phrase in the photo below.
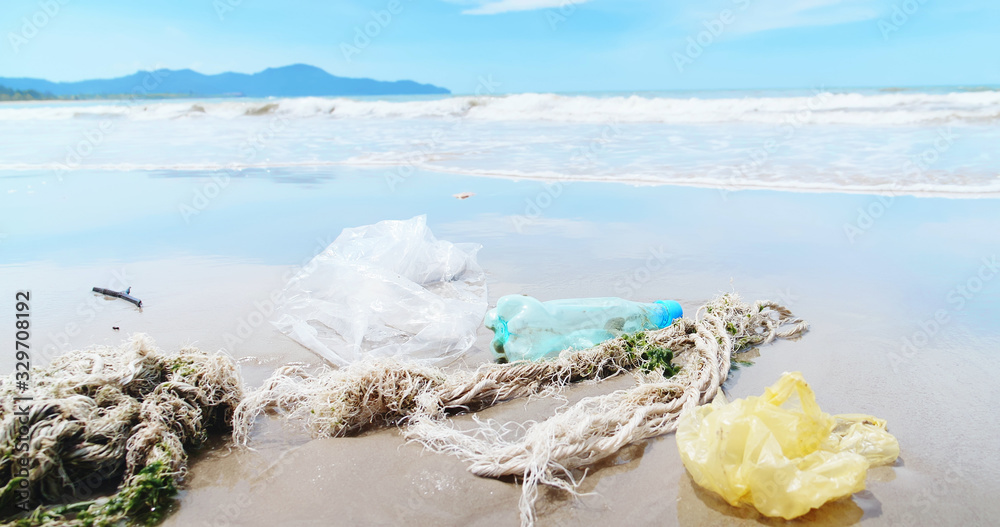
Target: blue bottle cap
(674, 311)
(494, 322)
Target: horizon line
(964, 85)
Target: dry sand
(203, 280)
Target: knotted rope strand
(598, 427)
(387, 393)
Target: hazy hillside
(297, 80)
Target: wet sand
(918, 270)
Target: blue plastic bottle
(527, 329)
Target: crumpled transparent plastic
(779, 452)
(386, 290)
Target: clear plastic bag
(779, 452)
(386, 290)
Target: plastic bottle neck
(669, 312)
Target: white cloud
(505, 6)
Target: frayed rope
(388, 393)
(102, 416)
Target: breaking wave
(819, 108)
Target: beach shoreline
(865, 296)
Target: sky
(509, 46)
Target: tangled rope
(343, 402)
(103, 416)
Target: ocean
(921, 142)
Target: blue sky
(520, 45)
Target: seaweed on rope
(127, 415)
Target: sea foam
(819, 108)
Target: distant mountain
(297, 80)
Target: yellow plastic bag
(779, 452)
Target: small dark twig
(124, 295)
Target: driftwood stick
(124, 295)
